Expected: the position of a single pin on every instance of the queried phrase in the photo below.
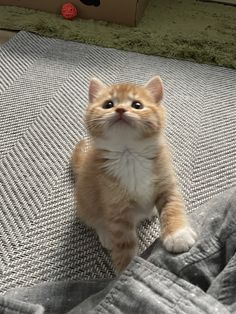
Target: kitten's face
(134, 108)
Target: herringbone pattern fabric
(43, 94)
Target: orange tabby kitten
(124, 171)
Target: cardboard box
(229, 2)
(127, 12)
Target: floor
(187, 29)
(5, 36)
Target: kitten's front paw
(180, 241)
(121, 261)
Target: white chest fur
(131, 161)
(133, 170)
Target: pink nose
(120, 110)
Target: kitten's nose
(120, 110)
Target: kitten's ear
(95, 88)
(155, 88)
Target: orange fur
(108, 200)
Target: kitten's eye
(137, 105)
(108, 104)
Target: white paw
(180, 241)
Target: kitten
(125, 170)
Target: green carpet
(183, 29)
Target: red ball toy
(69, 11)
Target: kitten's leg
(78, 156)
(104, 237)
(153, 213)
(176, 233)
(124, 242)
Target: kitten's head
(131, 107)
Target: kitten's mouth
(122, 119)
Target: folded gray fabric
(10, 306)
(202, 280)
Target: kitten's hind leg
(104, 237)
(78, 155)
(153, 213)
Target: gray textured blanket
(43, 93)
